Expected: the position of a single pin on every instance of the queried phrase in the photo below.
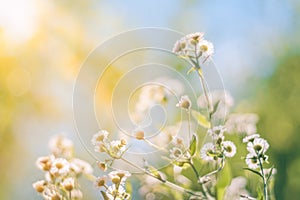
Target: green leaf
(224, 180)
(179, 164)
(215, 107)
(193, 145)
(190, 70)
(156, 173)
(260, 195)
(255, 172)
(270, 173)
(201, 119)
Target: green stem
(205, 91)
(194, 169)
(154, 145)
(266, 197)
(170, 184)
(217, 170)
(189, 123)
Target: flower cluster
(257, 148)
(194, 46)
(114, 148)
(179, 152)
(62, 171)
(198, 173)
(115, 191)
(219, 148)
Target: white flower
(176, 153)
(229, 148)
(185, 46)
(60, 166)
(119, 174)
(114, 193)
(68, 183)
(39, 186)
(216, 131)
(252, 161)
(61, 146)
(117, 148)
(250, 138)
(258, 146)
(205, 48)
(184, 103)
(44, 163)
(100, 181)
(242, 123)
(51, 194)
(100, 137)
(207, 152)
(79, 166)
(194, 37)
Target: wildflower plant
(61, 171)
(198, 166)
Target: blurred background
(43, 44)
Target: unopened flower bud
(139, 135)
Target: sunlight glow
(18, 19)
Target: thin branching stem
(168, 183)
(189, 123)
(266, 197)
(154, 145)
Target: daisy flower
(100, 137)
(250, 138)
(207, 152)
(184, 103)
(258, 146)
(229, 148)
(100, 181)
(60, 166)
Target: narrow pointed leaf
(255, 172)
(193, 145)
(215, 108)
(156, 173)
(270, 174)
(190, 70)
(201, 119)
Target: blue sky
(245, 33)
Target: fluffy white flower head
(207, 151)
(258, 146)
(184, 103)
(60, 166)
(250, 138)
(229, 148)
